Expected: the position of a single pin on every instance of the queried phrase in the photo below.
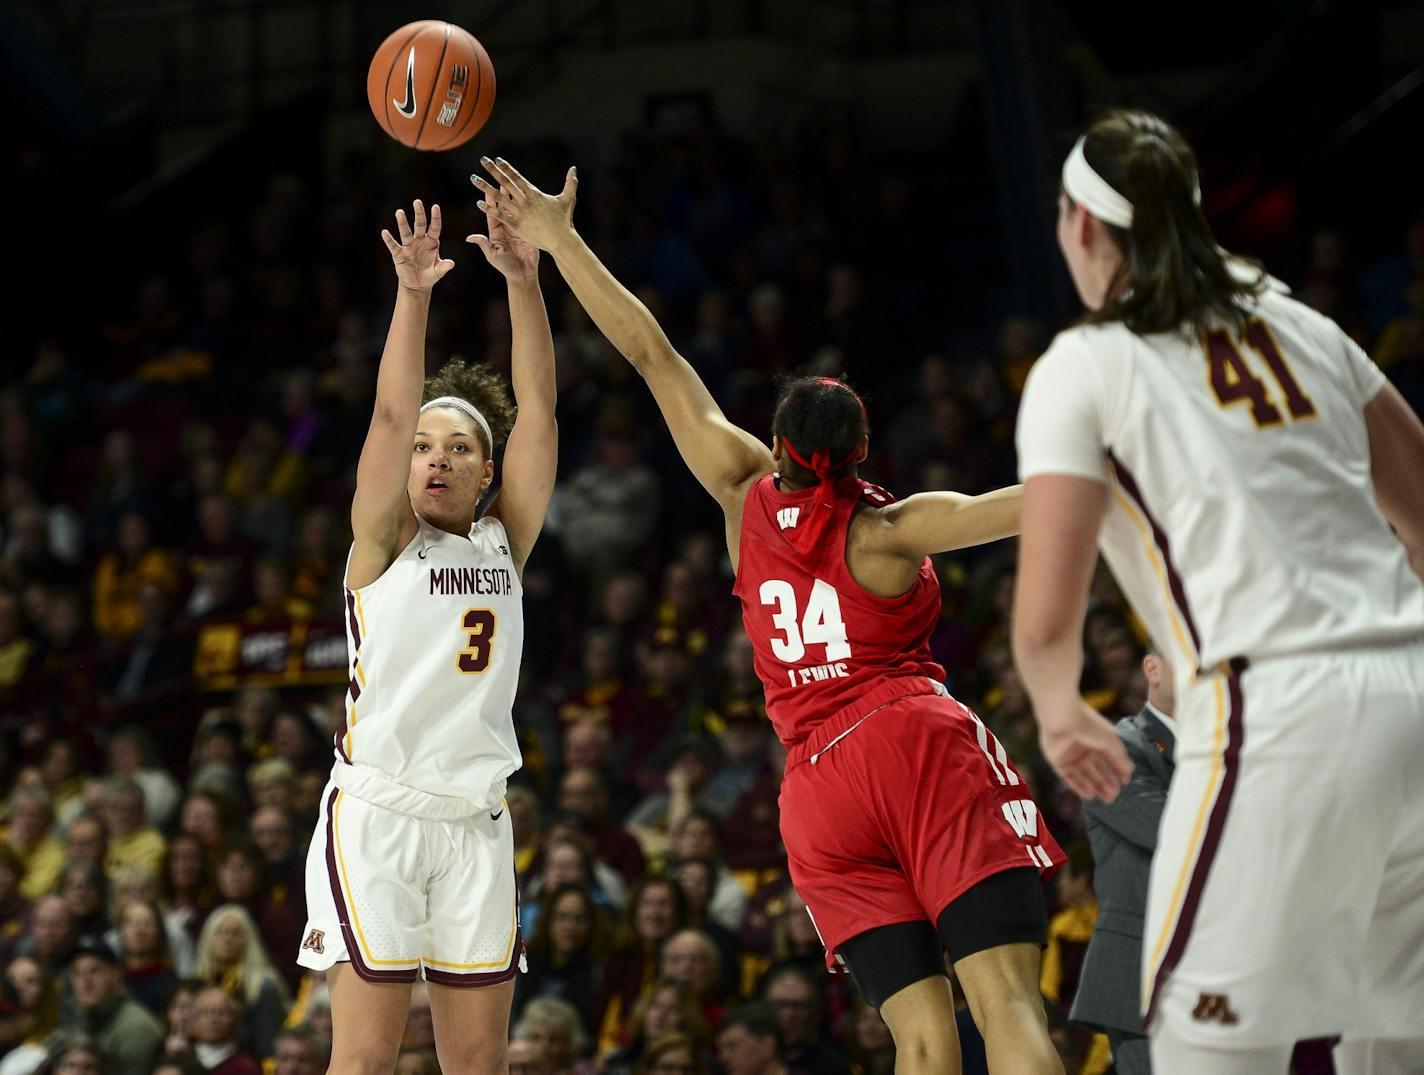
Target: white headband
(469, 408)
(1095, 194)
(1092, 191)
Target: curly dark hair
(819, 414)
(483, 387)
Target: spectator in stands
(301, 1051)
(565, 861)
(749, 1041)
(565, 953)
(178, 1021)
(131, 757)
(295, 739)
(137, 885)
(125, 1030)
(420, 1023)
(217, 1035)
(673, 1055)
(527, 821)
(527, 1057)
(870, 1046)
(696, 839)
(254, 709)
(187, 878)
(691, 957)
(655, 912)
(655, 818)
(77, 1054)
(271, 782)
(148, 972)
(230, 955)
(85, 891)
(131, 841)
(1070, 930)
(798, 999)
(612, 505)
(284, 863)
(204, 816)
(51, 934)
(16, 646)
(242, 880)
(35, 993)
(584, 791)
(14, 908)
(86, 841)
(27, 833)
(698, 878)
(64, 775)
(667, 1008)
(133, 562)
(557, 1027)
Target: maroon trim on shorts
(1216, 822)
(1159, 536)
(343, 916)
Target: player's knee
(927, 1049)
(484, 1057)
(1007, 1012)
(367, 1060)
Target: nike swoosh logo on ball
(407, 107)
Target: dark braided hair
(481, 386)
(819, 414)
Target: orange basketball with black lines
(431, 85)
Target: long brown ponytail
(1174, 275)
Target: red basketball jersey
(821, 639)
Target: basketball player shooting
(907, 828)
(411, 867)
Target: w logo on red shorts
(313, 941)
(1022, 816)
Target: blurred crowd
(180, 459)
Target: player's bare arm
(531, 453)
(1396, 462)
(381, 516)
(723, 458)
(1058, 548)
(929, 523)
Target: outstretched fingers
(402, 227)
(508, 176)
(391, 244)
(420, 222)
(434, 230)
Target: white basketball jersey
(1242, 518)
(434, 645)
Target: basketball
(431, 85)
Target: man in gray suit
(1124, 836)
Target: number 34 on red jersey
(820, 624)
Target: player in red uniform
(907, 827)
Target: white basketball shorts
(1285, 895)
(396, 894)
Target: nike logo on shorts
(497, 816)
(407, 107)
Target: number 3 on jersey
(478, 625)
(822, 623)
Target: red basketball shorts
(900, 813)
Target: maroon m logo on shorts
(313, 941)
(1215, 1008)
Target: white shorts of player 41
(1285, 900)
(398, 895)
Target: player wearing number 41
(908, 830)
(1255, 484)
(411, 868)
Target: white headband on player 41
(1095, 194)
(466, 406)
